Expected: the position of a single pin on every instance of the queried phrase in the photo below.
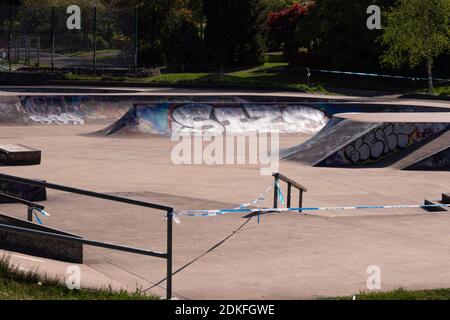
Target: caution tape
(372, 75)
(212, 213)
(42, 212)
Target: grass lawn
(267, 76)
(443, 90)
(273, 75)
(401, 294)
(16, 284)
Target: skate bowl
(365, 135)
(336, 139)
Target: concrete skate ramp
(349, 140)
(71, 110)
(433, 156)
(61, 110)
(439, 161)
(337, 134)
(217, 118)
(80, 109)
(386, 140)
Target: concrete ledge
(19, 155)
(22, 190)
(39, 246)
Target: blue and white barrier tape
(280, 193)
(212, 213)
(45, 214)
(258, 199)
(373, 75)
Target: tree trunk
(430, 76)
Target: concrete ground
(286, 256)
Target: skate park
(115, 143)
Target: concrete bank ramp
(433, 156)
(336, 135)
(348, 143)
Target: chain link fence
(43, 38)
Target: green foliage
(169, 31)
(278, 5)
(234, 31)
(402, 294)
(416, 31)
(336, 30)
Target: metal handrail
(93, 243)
(31, 205)
(84, 192)
(168, 255)
(22, 201)
(290, 183)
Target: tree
(281, 28)
(168, 29)
(417, 31)
(234, 31)
(278, 5)
(336, 31)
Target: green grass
(16, 284)
(271, 75)
(438, 91)
(402, 294)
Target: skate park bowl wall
(335, 141)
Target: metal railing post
(9, 37)
(95, 42)
(169, 253)
(300, 199)
(275, 192)
(289, 189)
(30, 214)
(52, 39)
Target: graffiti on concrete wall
(384, 141)
(69, 110)
(9, 109)
(235, 118)
(50, 110)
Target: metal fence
(40, 37)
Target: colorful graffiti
(213, 119)
(382, 142)
(216, 119)
(70, 110)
